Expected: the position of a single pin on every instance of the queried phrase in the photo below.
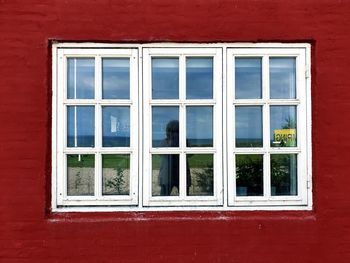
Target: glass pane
(165, 174)
(165, 78)
(81, 78)
(116, 78)
(249, 174)
(284, 179)
(282, 78)
(80, 174)
(199, 78)
(248, 78)
(81, 126)
(200, 174)
(116, 126)
(199, 126)
(283, 129)
(165, 126)
(249, 126)
(115, 174)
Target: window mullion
(226, 103)
(266, 125)
(98, 126)
(182, 126)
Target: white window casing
(223, 103)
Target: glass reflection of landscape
(115, 78)
(199, 126)
(248, 78)
(200, 174)
(116, 126)
(81, 126)
(115, 174)
(165, 126)
(165, 78)
(199, 78)
(80, 174)
(283, 126)
(249, 126)
(282, 78)
(284, 174)
(80, 78)
(249, 174)
(165, 174)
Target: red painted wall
(30, 233)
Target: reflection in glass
(81, 78)
(165, 174)
(80, 174)
(165, 78)
(199, 126)
(283, 126)
(284, 174)
(199, 78)
(249, 126)
(81, 126)
(116, 126)
(165, 126)
(200, 175)
(249, 174)
(115, 174)
(115, 78)
(282, 78)
(248, 78)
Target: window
(181, 127)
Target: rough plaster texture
(30, 233)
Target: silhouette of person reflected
(169, 166)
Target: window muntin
(288, 62)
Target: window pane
(282, 78)
(165, 126)
(284, 174)
(115, 174)
(283, 129)
(199, 126)
(80, 174)
(81, 126)
(165, 174)
(81, 78)
(249, 126)
(249, 174)
(116, 126)
(115, 78)
(199, 78)
(248, 78)
(165, 78)
(200, 174)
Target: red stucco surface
(30, 233)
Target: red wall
(30, 233)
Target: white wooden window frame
(182, 103)
(140, 199)
(265, 102)
(61, 128)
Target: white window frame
(140, 198)
(60, 128)
(182, 102)
(301, 150)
